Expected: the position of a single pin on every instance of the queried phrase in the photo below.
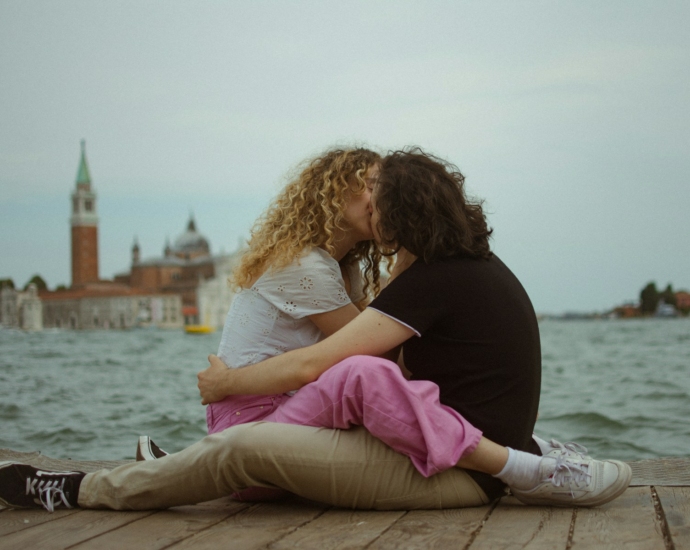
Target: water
(622, 388)
(89, 394)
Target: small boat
(199, 329)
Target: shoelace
(570, 447)
(567, 472)
(50, 493)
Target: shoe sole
(613, 492)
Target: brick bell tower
(84, 222)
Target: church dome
(191, 244)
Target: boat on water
(199, 329)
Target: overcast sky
(571, 119)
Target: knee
(365, 366)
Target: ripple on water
(46, 354)
(62, 435)
(10, 411)
(669, 395)
(592, 420)
(618, 448)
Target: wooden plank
(675, 503)
(18, 520)
(630, 521)
(339, 529)
(429, 529)
(69, 530)
(256, 527)
(514, 525)
(661, 472)
(164, 528)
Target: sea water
(620, 387)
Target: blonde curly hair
(307, 213)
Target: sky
(570, 119)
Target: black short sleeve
(405, 301)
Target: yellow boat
(199, 329)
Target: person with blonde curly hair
(311, 266)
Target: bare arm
(371, 333)
(332, 321)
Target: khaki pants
(348, 468)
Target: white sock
(544, 446)
(521, 470)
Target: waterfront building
(626, 311)
(8, 306)
(21, 309)
(214, 295)
(111, 307)
(665, 310)
(187, 268)
(683, 300)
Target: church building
(94, 303)
(185, 267)
(186, 286)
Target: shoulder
(317, 257)
(310, 284)
(312, 263)
(452, 267)
(435, 281)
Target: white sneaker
(547, 447)
(148, 450)
(570, 448)
(571, 479)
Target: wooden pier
(654, 513)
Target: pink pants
(370, 392)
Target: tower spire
(83, 175)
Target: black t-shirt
(478, 341)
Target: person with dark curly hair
(470, 340)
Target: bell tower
(84, 222)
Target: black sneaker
(24, 486)
(148, 450)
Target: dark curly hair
(423, 208)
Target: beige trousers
(348, 468)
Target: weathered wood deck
(654, 513)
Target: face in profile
(357, 215)
(375, 216)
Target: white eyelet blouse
(271, 317)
